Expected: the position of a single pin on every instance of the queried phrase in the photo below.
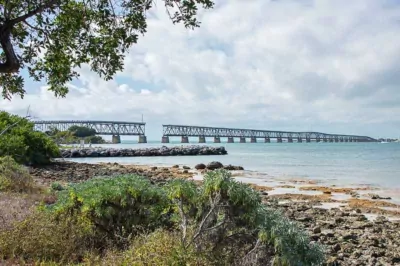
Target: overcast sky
(326, 65)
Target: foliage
(52, 38)
(57, 186)
(41, 237)
(229, 222)
(161, 247)
(21, 142)
(74, 134)
(117, 207)
(14, 177)
(82, 132)
(135, 222)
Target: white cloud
(296, 65)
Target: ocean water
(341, 164)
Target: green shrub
(227, 220)
(14, 177)
(160, 247)
(21, 142)
(117, 207)
(57, 186)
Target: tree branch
(33, 12)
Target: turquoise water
(374, 164)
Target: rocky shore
(144, 152)
(349, 235)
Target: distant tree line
(74, 134)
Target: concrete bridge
(185, 132)
(114, 128)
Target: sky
(296, 65)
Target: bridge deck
(217, 132)
(101, 127)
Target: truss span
(185, 131)
(114, 128)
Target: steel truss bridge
(201, 132)
(114, 128)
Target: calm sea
(342, 164)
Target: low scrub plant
(127, 220)
(116, 208)
(14, 177)
(227, 220)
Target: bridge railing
(198, 131)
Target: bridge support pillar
(299, 140)
(330, 140)
(267, 140)
(242, 140)
(253, 140)
(202, 139)
(346, 140)
(230, 140)
(290, 140)
(142, 139)
(165, 139)
(116, 139)
(318, 140)
(325, 140)
(336, 140)
(341, 140)
(217, 140)
(185, 139)
(308, 140)
(279, 140)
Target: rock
(376, 197)
(153, 168)
(200, 166)
(185, 171)
(186, 167)
(163, 151)
(316, 230)
(336, 247)
(214, 165)
(233, 168)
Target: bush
(134, 222)
(43, 238)
(21, 142)
(161, 247)
(227, 220)
(117, 208)
(14, 177)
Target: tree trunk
(11, 63)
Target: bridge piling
(290, 140)
(242, 140)
(217, 140)
(253, 140)
(299, 140)
(165, 139)
(267, 140)
(185, 139)
(142, 139)
(116, 139)
(202, 139)
(279, 140)
(231, 140)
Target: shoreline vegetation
(344, 226)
